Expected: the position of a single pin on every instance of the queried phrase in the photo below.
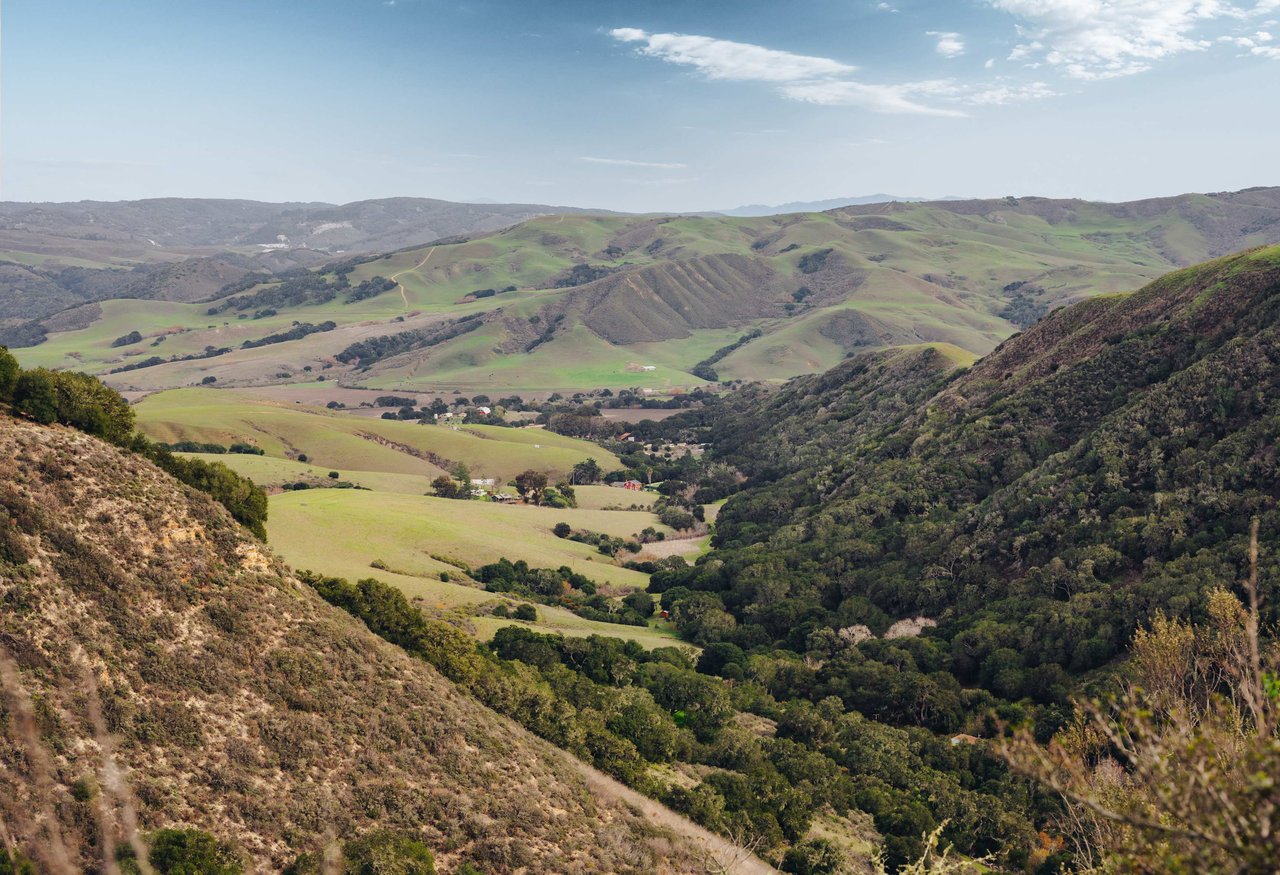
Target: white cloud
(950, 44)
(725, 59)
(627, 162)
(1101, 39)
(893, 99)
(1003, 95)
(803, 78)
(991, 62)
(905, 97)
(824, 81)
(1256, 44)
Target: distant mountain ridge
(202, 223)
(59, 255)
(821, 206)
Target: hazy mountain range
(823, 205)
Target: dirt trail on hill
(722, 855)
(395, 277)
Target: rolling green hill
(572, 302)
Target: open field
(355, 527)
(391, 518)
(272, 473)
(346, 443)
(342, 531)
(610, 497)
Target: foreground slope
(142, 629)
(573, 302)
(1099, 468)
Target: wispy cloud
(725, 59)
(950, 44)
(1103, 39)
(877, 98)
(804, 78)
(1260, 43)
(627, 162)
(996, 93)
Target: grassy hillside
(571, 302)
(161, 668)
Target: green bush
(244, 500)
(9, 371)
(640, 602)
(34, 395)
(16, 863)
(378, 853)
(184, 852)
(814, 857)
(73, 399)
(526, 612)
(387, 853)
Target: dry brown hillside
(141, 628)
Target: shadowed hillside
(161, 668)
(1098, 469)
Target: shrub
(814, 857)
(9, 371)
(34, 396)
(562, 530)
(640, 602)
(208, 380)
(526, 612)
(127, 339)
(16, 863)
(73, 399)
(387, 853)
(184, 852)
(334, 475)
(242, 499)
(379, 853)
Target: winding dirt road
(395, 277)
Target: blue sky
(637, 105)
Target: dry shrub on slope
(236, 701)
